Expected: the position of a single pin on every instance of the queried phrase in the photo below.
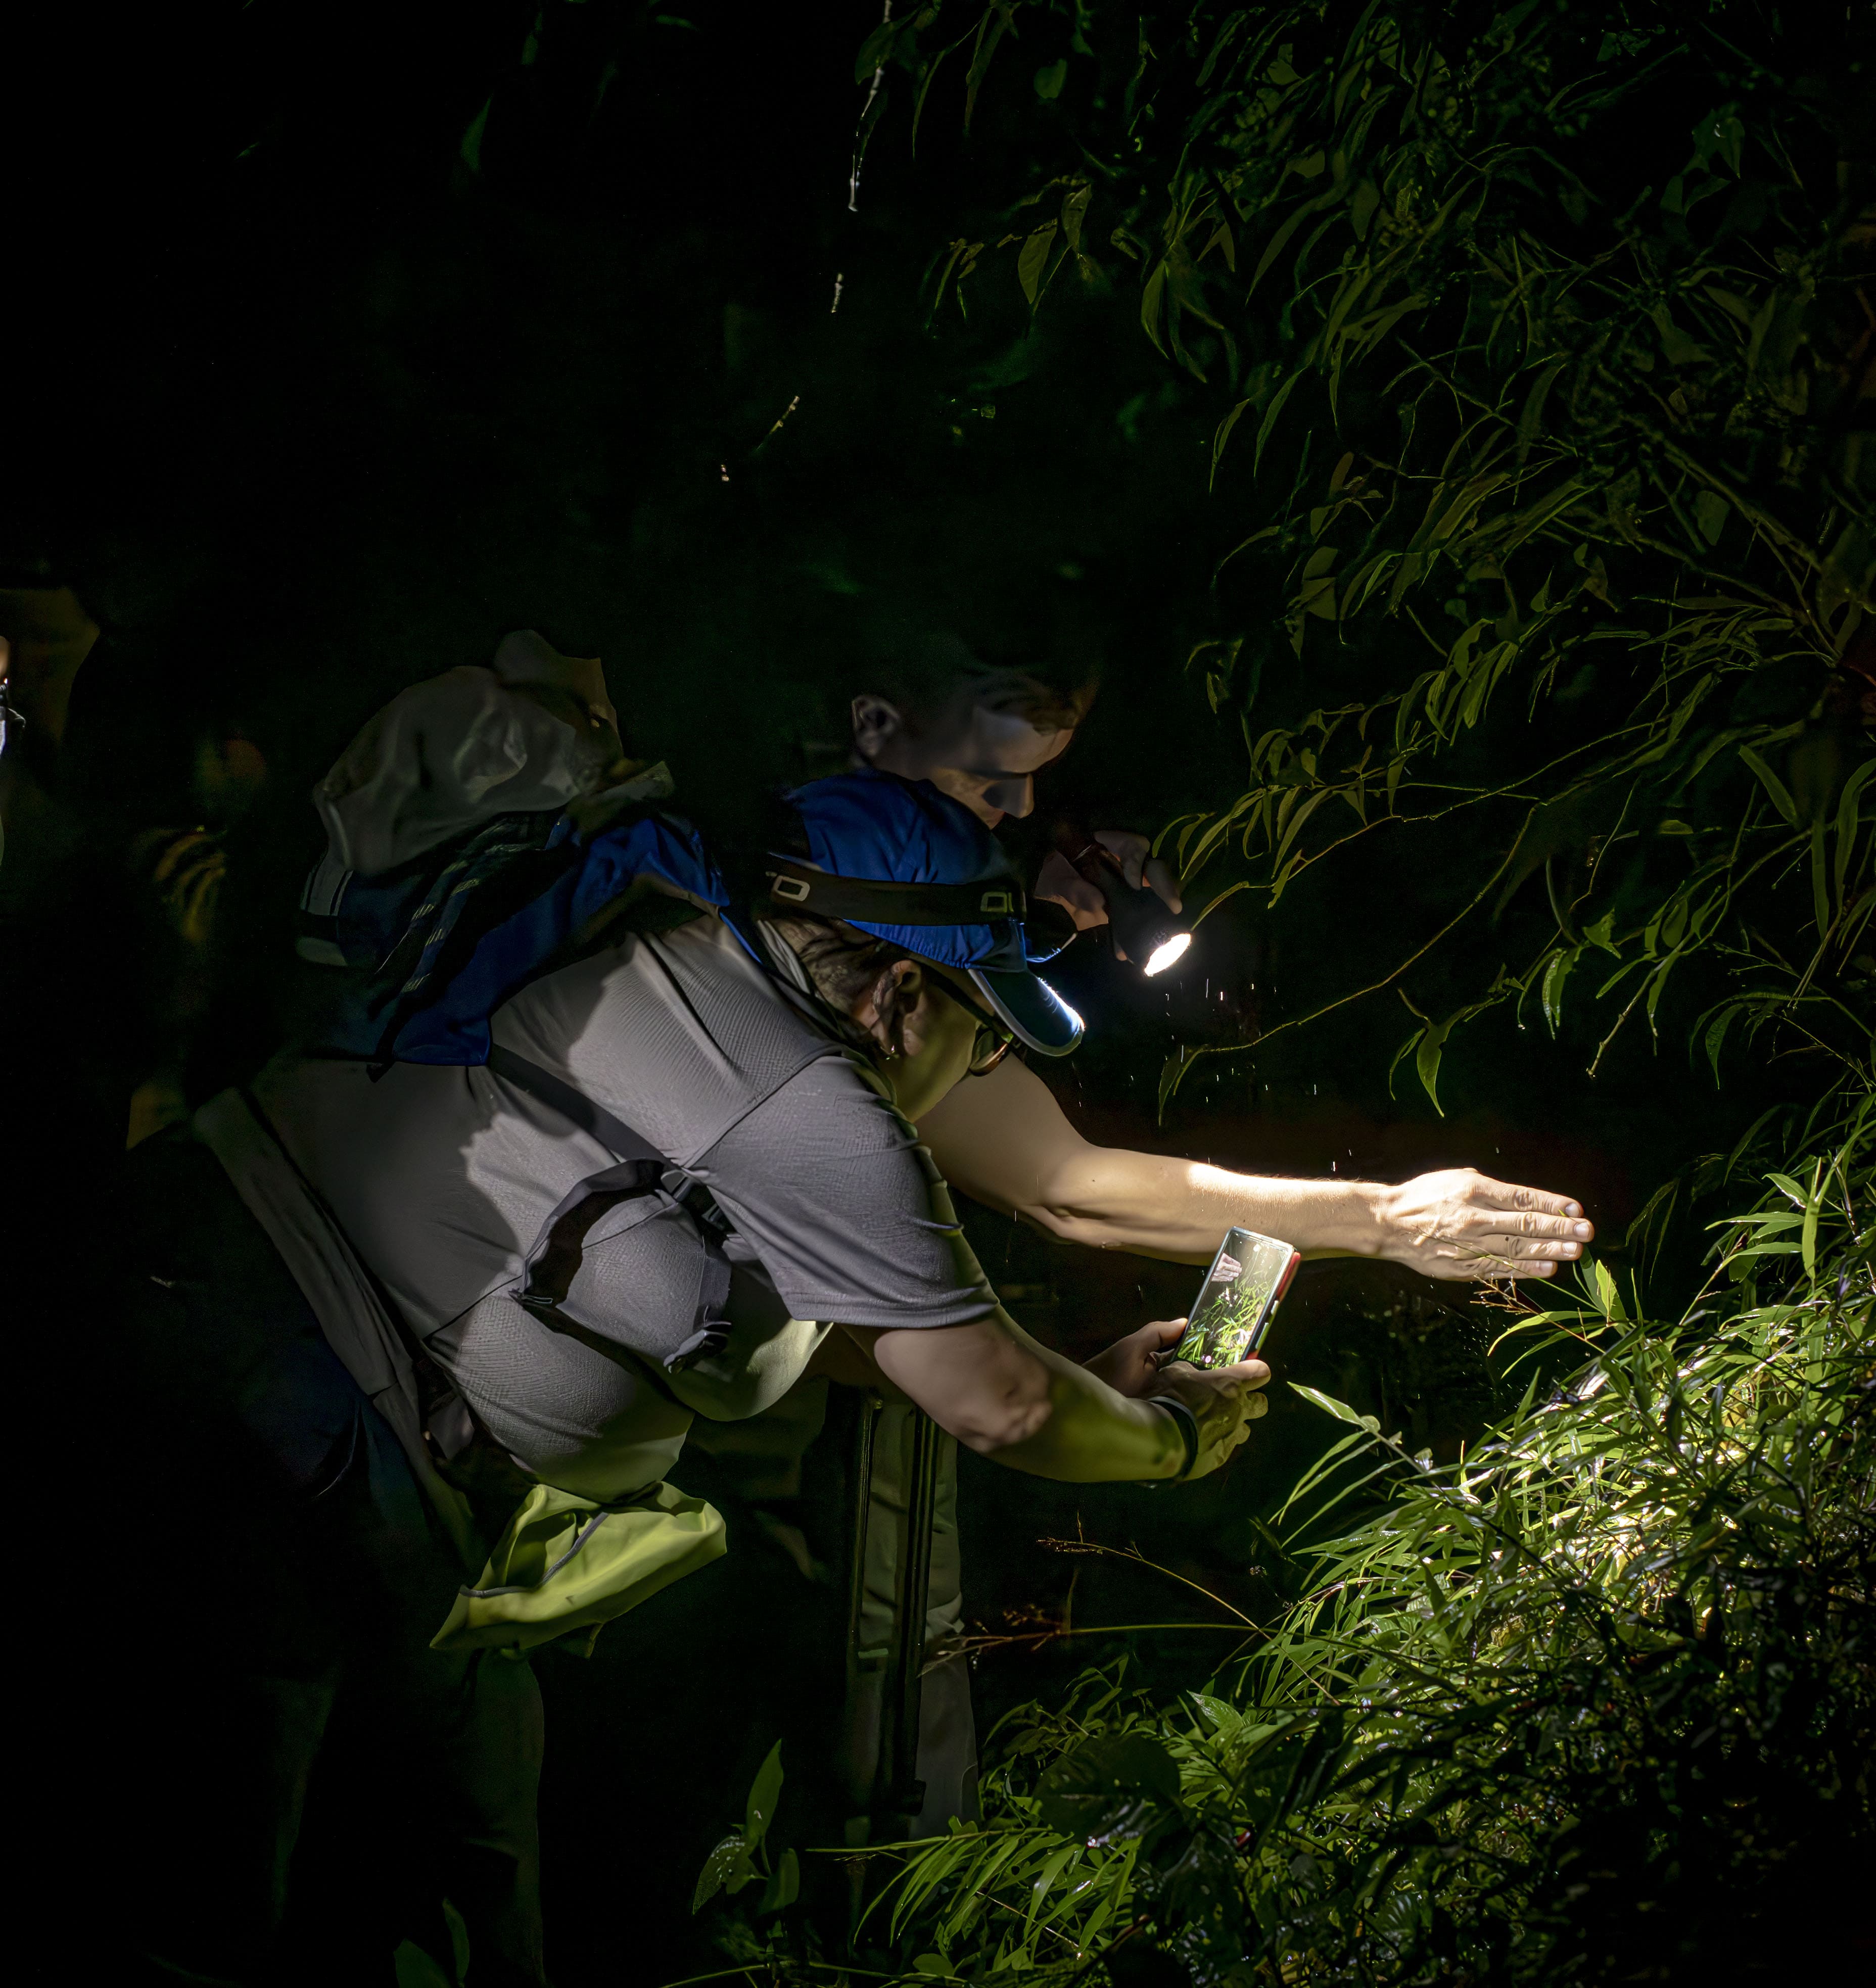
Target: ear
(896, 994)
(876, 722)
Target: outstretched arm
(1002, 1139)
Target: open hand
(1462, 1223)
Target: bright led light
(1168, 954)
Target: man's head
(886, 860)
(977, 731)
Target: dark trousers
(307, 1780)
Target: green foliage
(742, 1856)
(1559, 441)
(1598, 1703)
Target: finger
(1129, 848)
(1170, 1330)
(1553, 1228)
(1502, 1249)
(1160, 876)
(1506, 1194)
(1085, 906)
(178, 853)
(1545, 1249)
(1246, 1373)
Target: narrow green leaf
(765, 1792)
(1773, 785)
(1716, 1033)
(1426, 1055)
(471, 146)
(1222, 436)
(1150, 304)
(991, 30)
(1340, 1410)
(1270, 414)
(1849, 828)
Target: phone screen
(1240, 1296)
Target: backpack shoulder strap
(613, 1133)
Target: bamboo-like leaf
(1773, 785)
(996, 23)
(1221, 437)
(1270, 414)
(765, 1792)
(1848, 829)
(1212, 904)
(1151, 297)
(1340, 1410)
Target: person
(254, 1749)
(46, 634)
(933, 710)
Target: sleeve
(846, 1211)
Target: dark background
(316, 385)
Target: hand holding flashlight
(1147, 931)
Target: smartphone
(1240, 1296)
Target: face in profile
(986, 758)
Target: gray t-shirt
(446, 1179)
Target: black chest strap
(556, 1261)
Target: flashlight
(1151, 936)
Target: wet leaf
(765, 1792)
(727, 1868)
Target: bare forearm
(1177, 1209)
(1000, 1394)
(1004, 1140)
(1092, 1435)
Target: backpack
(474, 843)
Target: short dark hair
(925, 669)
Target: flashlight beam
(1170, 954)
